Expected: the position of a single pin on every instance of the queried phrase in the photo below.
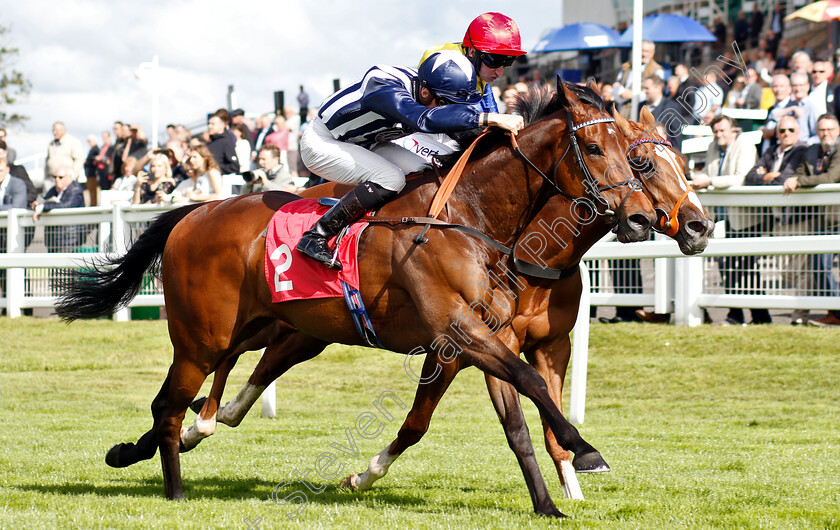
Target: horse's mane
(538, 103)
(533, 105)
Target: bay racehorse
(545, 313)
(218, 303)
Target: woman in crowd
(243, 147)
(205, 178)
(151, 187)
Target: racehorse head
(591, 168)
(661, 170)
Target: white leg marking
(233, 412)
(377, 469)
(200, 430)
(571, 486)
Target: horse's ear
(593, 85)
(646, 117)
(561, 93)
(620, 121)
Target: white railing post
(663, 280)
(119, 229)
(580, 352)
(269, 397)
(15, 278)
(688, 275)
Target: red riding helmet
(494, 33)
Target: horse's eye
(594, 149)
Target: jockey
(492, 42)
(349, 140)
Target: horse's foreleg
(551, 359)
(416, 423)
(494, 358)
(277, 360)
(506, 401)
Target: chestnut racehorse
(219, 305)
(545, 314)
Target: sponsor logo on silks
(421, 150)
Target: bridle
(666, 223)
(593, 188)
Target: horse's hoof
(198, 404)
(113, 456)
(351, 482)
(590, 463)
(552, 512)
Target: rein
(523, 266)
(668, 223)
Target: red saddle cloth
(293, 276)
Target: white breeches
(386, 163)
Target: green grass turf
(709, 427)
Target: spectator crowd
(757, 68)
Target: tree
(12, 83)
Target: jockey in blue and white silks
(491, 43)
(349, 140)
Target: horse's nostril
(641, 220)
(695, 227)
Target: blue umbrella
(582, 36)
(669, 28)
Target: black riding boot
(314, 241)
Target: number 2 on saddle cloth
(291, 277)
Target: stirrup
(319, 253)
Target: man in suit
(781, 90)
(12, 189)
(821, 165)
(742, 29)
(773, 169)
(664, 110)
(18, 171)
(265, 126)
(623, 89)
(682, 93)
(67, 193)
(822, 94)
(728, 160)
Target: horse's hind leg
(205, 422)
(428, 395)
(506, 401)
(126, 454)
(277, 360)
(186, 379)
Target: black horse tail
(110, 284)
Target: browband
(592, 122)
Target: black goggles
(494, 61)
